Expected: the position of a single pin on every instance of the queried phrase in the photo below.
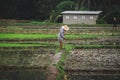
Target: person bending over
(61, 34)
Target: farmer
(61, 37)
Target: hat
(65, 27)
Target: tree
(64, 5)
(51, 9)
(83, 4)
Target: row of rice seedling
(55, 30)
(50, 40)
(51, 36)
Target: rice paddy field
(92, 52)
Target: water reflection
(94, 77)
(23, 75)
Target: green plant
(27, 36)
(96, 46)
(101, 20)
(60, 65)
(61, 74)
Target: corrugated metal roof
(81, 12)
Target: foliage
(100, 20)
(113, 12)
(51, 9)
(64, 5)
(30, 23)
(84, 9)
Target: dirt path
(52, 69)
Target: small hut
(80, 17)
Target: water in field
(25, 58)
(16, 64)
(22, 75)
(94, 77)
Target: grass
(28, 23)
(60, 65)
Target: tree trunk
(89, 4)
(77, 7)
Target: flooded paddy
(24, 64)
(22, 74)
(92, 53)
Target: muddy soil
(93, 64)
(25, 58)
(93, 59)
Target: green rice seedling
(17, 45)
(27, 36)
(47, 36)
(97, 46)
